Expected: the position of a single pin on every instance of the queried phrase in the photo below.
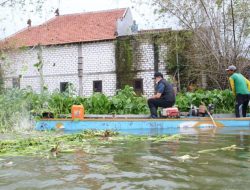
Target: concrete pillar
(80, 69)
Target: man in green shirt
(241, 90)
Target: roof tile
(72, 28)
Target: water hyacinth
(20, 108)
(223, 100)
(53, 143)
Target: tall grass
(14, 107)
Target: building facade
(84, 57)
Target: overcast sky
(13, 20)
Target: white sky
(15, 20)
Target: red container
(170, 112)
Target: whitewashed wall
(61, 65)
(145, 65)
(99, 64)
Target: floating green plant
(53, 144)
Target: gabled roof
(72, 28)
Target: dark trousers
(241, 105)
(153, 105)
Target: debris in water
(228, 148)
(187, 157)
(8, 164)
(54, 151)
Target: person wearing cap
(164, 95)
(241, 90)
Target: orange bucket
(77, 112)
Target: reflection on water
(137, 165)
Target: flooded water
(179, 164)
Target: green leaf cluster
(124, 102)
(127, 102)
(222, 100)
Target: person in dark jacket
(164, 95)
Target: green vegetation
(222, 100)
(34, 144)
(53, 145)
(124, 62)
(20, 105)
(179, 42)
(14, 108)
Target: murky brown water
(137, 165)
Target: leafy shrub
(222, 100)
(126, 102)
(97, 104)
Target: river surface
(181, 164)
